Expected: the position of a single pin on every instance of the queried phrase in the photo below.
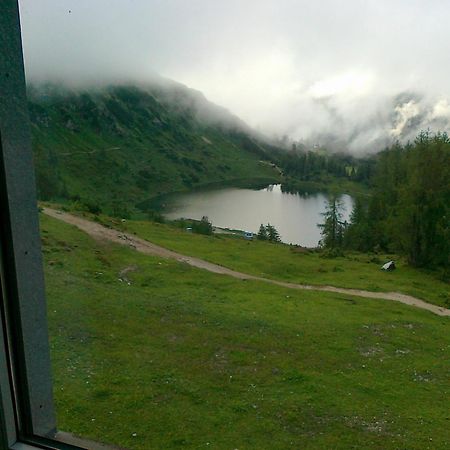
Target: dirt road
(98, 231)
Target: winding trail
(98, 231)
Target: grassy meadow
(289, 263)
(154, 354)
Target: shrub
(203, 227)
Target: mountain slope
(120, 145)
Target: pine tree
(356, 235)
(272, 233)
(333, 226)
(262, 233)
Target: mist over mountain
(176, 96)
(344, 75)
(363, 130)
(120, 145)
(329, 124)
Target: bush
(91, 207)
(335, 252)
(85, 206)
(202, 227)
(155, 216)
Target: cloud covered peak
(353, 75)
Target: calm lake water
(295, 216)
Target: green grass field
(283, 262)
(175, 357)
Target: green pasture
(154, 354)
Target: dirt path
(98, 231)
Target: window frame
(27, 414)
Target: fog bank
(348, 75)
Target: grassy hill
(283, 262)
(152, 353)
(117, 146)
(289, 263)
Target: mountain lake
(295, 216)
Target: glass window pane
(216, 212)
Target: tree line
(302, 165)
(409, 209)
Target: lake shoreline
(295, 216)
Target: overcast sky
(353, 73)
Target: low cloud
(367, 126)
(349, 75)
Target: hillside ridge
(114, 147)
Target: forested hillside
(324, 171)
(409, 210)
(115, 147)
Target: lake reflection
(295, 216)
